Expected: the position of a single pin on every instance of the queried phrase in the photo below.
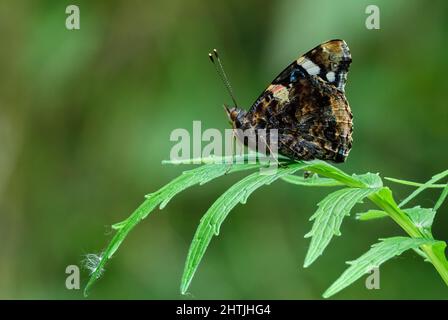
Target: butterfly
(305, 103)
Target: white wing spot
(330, 76)
(310, 66)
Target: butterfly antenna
(214, 57)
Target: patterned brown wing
(306, 104)
(329, 61)
(316, 123)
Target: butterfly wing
(307, 105)
(316, 123)
(329, 61)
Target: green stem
(439, 261)
(397, 215)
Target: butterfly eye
(334, 65)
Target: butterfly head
(235, 115)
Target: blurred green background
(85, 119)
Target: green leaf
(328, 218)
(211, 222)
(369, 180)
(422, 218)
(425, 186)
(329, 171)
(248, 158)
(442, 198)
(377, 255)
(414, 184)
(372, 180)
(161, 197)
(313, 181)
(371, 214)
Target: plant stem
(397, 215)
(438, 261)
(389, 205)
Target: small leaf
(211, 222)
(371, 214)
(161, 197)
(422, 218)
(328, 218)
(119, 225)
(372, 180)
(378, 254)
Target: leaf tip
(326, 295)
(184, 287)
(86, 291)
(309, 259)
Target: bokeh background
(85, 119)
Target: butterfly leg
(272, 153)
(230, 165)
(308, 174)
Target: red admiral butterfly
(305, 103)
